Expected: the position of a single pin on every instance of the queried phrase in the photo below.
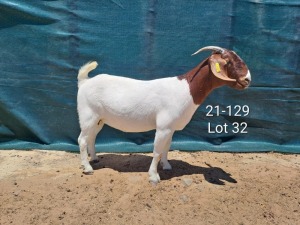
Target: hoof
(87, 170)
(154, 179)
(166, 166)
(95, 161)
(154, 184)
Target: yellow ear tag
(218, 68)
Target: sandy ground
(48, 187)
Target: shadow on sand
(140, 163)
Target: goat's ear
(217, 66)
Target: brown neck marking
(201, 81)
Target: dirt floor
(48, 187)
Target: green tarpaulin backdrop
(43, 43)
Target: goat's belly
(130, 124)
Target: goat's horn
(211, 48)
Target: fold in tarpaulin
(43, 43)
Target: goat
(165, 104)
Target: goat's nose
(247, 80)
(248, 77)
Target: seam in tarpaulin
(275, 2)
(72, 27)
(232, 17)
(117, 3)
(149, 36)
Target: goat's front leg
(162, 144)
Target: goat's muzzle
(244, 82)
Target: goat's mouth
(242, 84)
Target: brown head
(223, 67)
(227, 66)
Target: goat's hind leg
(86, 139)
(83, 143)
(91, 142)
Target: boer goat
(165, 104)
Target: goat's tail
(85, 69)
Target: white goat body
(165, 104)
(132, 106)
(135, 106)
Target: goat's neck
(201, 82)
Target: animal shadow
(140, 163)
